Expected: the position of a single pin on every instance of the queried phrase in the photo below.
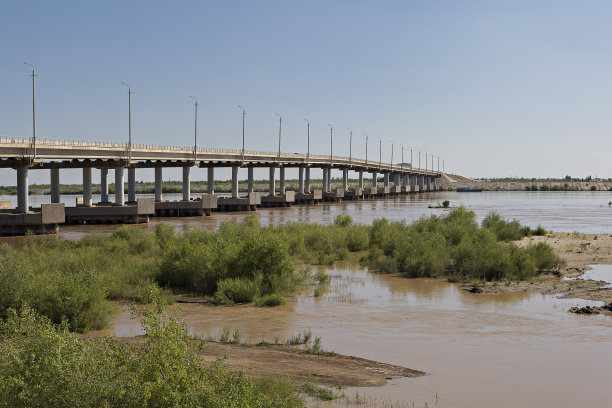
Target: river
(516, 350)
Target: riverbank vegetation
(44, 364)
(456, 247)
(245, 262)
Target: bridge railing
(188, 151)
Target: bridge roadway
(21, 155)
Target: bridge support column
(186, 183)
(87, 186)
(282, 181)
(361, 179)
(307, 182)
(345, 179)
(119, 197)
(374, 179)
(325, 180)
(158, 184)
(104, 185)
(210, 187)
(23, 204)
(272, 189)
(396, 180)
(386, 179)
(235, 182)
(131, 184)
(301, 180)
(250, 180)
(55, 182)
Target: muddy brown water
(583, 211)
(479, 350)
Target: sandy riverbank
(578, 251)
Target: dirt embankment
(578, 251)
(454, 181)
(329, 369)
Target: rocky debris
(585, 310)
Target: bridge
(23, 155)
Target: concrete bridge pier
(374, 179)
(131, 184)
(307, 181)
(210, 185)
(325, 180)
(361, 179)
(23, 204)
(119, 185)
(158, 185)
(87, 201)
(386, 179)
(300, 180)
(396, 180)
(103, 185)
(272, 189)
(235, 182)
(282, 181)
(187, 183)
(345, 179)
(250, 180)
(55, 183)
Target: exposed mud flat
(578, 250)
(325, 368)
(329, 369)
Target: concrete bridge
(23, 156)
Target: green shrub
(504, 230)
(44, 365)
(544, 258)
(343, 220)
(235, 290)
(273, 299)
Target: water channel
(513, 350)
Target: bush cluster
(45, 365)
(456, 247)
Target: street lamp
(350, 147)
(419, 159)
(402, 163)
(195, 131)
(331, 144)
(33, 112)
(308, 138)
(366, 159)
(391, 155)
(129, 121)
(243, 115)
(280, 126)
(379, 152)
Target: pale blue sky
(495, 88)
